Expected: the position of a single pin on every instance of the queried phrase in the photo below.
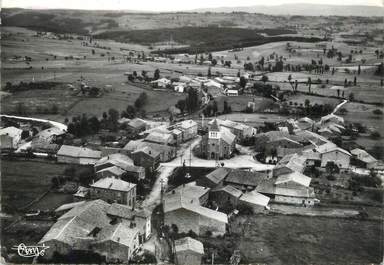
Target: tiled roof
(296, 177)
(255, 198)
(189, 244)
(113, 184)
(127, 212)
(363, 156)
(229, 189)
(191, 190)
(218, 175)
(177, 201)
(122, 233)
(75, 151)
(247, 178)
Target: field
(24, 181)
(280, 239)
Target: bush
(377, 112)
(375, 135)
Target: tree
(307, 103)
(130, 111)
(156, 75)
(192, 100)
(309, 83)
(358, 70)
(377, 112)
(141, 100)
(209, 72)
(355, 81)
(214, 107)
(181, 105)
(243, 82)
(351, 97)
(94, 124)
(264, 78)
(113, 118)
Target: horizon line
(188, 10)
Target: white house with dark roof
(188, 251)
(193, 191)
(364, 158)
(257, 201)
(187, 214)
(77, 155)
(14, 133)
(117, 165)
(87, 227)
(214, 178)
(332, 153)
(114, 190)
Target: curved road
(56, 124)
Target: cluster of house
(227, 85)
(113, 231)
(222, 136)
(30, 136)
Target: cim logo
(30, 251)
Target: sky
(166, 5)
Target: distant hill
(303, 10)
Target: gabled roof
(227, 136)
(268, 187)
(137, 123)
(126, 212)
(243, 177)
(189, 244)
(177, 201)
(68, 206)
(122, 233)
(75, 151)
(330, 147)
(92, 212)
(218, 175)
(296, 177)
(191, 190)
(331, 117)
(363, 155)
(186, 124)
(113, 169)
(229, 189)
(159, 137)
(50, 132)
(113, 184)
(255, 198)
(294, 162)
(147, 150)
(119, 160)
(137, 144)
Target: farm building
(137, 125)
(188, 129)
(291, 188)
(114, 190)
(77, 155)
(364, 158)
(241, 130)
(188, 251)
(224, 196)
(257, 201)
(162, 82)
(166, 152)
(141, 217)
(158, 137)
(244, 180)
(73, 230)
(146, 157)
(6, 142)
(331, 153)
(193, 191)
(213, 179)
(117, 242)
(117, 165)
(289, 163)
(14, 133)
(219, 143)
(188, 215)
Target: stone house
(114, 190)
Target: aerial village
(187, 185)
